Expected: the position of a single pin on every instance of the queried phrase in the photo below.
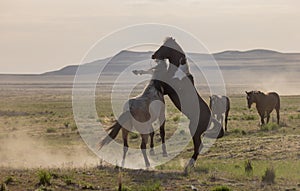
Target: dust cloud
(23, 151)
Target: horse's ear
(246, 92)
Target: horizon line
(136, 51)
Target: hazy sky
(41, 35)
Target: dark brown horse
(187, 103)
(265, 104)
(220, 105)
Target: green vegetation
(270, 127)
(9, 180)
(151, 186)
(133, 135)
(44, 177)
(248, 168)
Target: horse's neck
(175, 60)
(259, 99)
(150, 89)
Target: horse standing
(265, 104)
(140, 112)
(199, 122)
(220, 105)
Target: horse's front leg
(262, 116)
(162, 119)
(262, 119)
(143, 148)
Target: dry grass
(25, 143)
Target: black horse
(189, 101)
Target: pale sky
(43, 35)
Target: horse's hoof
(186, 171)
(147, 166)
(151, 152)
(165, 154)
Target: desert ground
(41, 149)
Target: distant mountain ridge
(125, 58)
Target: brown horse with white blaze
(265, 104)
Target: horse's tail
(115, 128)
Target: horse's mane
(258, 92)
(171, 43)
(152, 87)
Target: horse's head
(250, 98)
(172, 51)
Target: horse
(140, 112)
(220, 105)
(265, 104)
(199, 122)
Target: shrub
(221, 188)
(73, 127)
(238, 131)
(69, 181)
(66, 124)
(9, 180)
(248, 168)
(176, 118)
(123, 188)
(269, 176)
(51, 130)
(133, 135)
(151, 186)
(44, 177)
(3, 187)
(248, 117)
(269, 127)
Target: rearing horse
(265, 104)
(199, 122)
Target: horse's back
(222, 104)
(275, 97)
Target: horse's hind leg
(278, 117)
(197, 143)
(226, 120)
(125, 144)
(162, 136)
(268, 117)
(152, 141)
(143, 148)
